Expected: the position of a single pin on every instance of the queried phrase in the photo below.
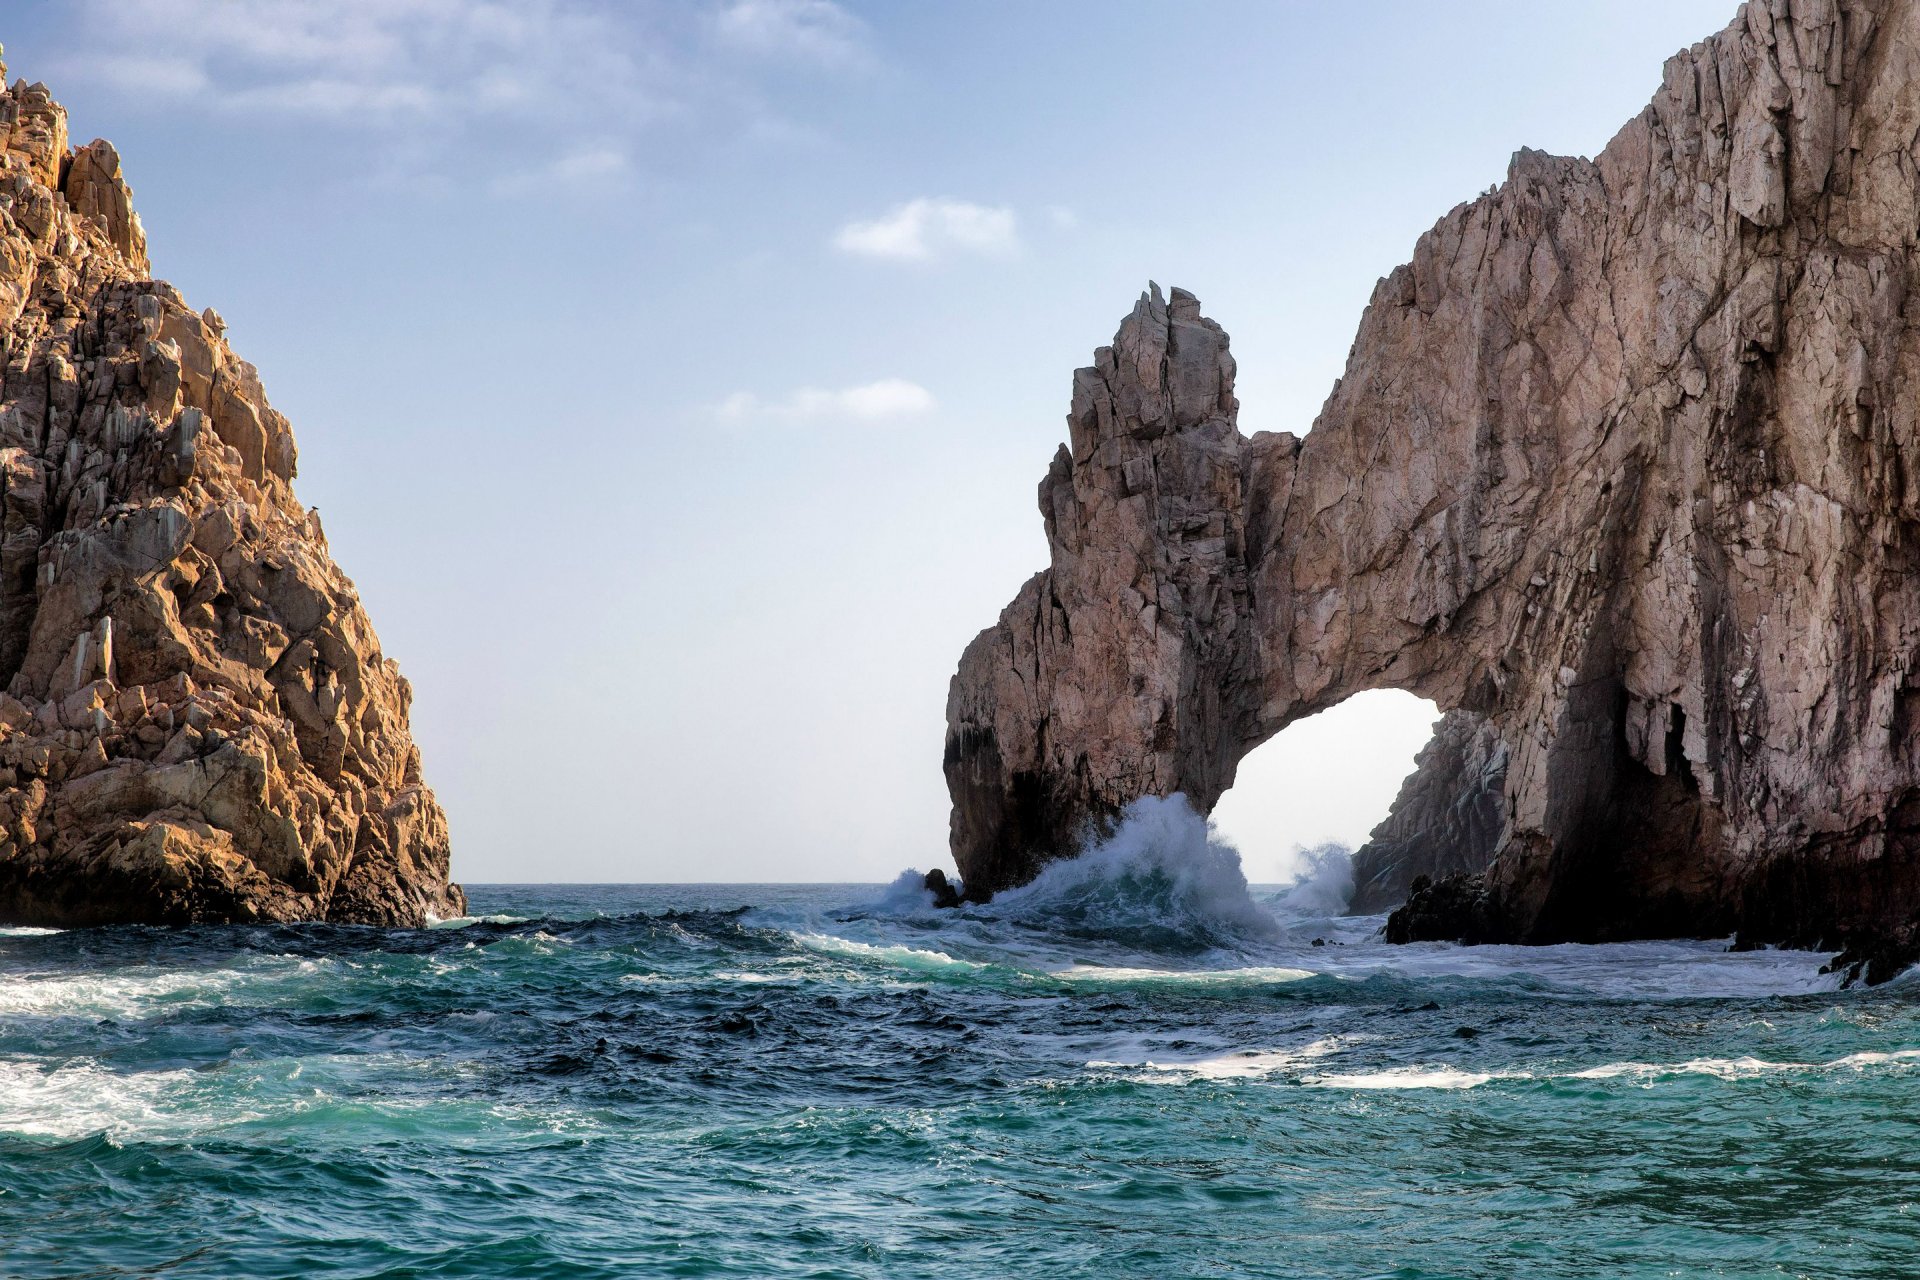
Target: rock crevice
(1625, 462)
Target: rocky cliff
(1446, 821)
(198, 723)
(1626, 461)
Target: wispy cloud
(928, 228)
(800, 30)
(504, 77)
(584, 166)
(879, 401)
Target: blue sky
(674, 379)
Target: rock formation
(1446, 821)
(1625, 461)
(198, 724)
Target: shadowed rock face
(1446, 821)
(1625, 461)
(198, 724)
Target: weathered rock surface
(1446, 821)
(1626, 461)
(198, 723)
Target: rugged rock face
(198, 724)
(1446, 821)
(1626, 461)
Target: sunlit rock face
(1625, 461)
(198, 723)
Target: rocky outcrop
(198, 723)
(1446, 821)
(1626, 461)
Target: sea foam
(1161, 881)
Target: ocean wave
(897, 956)
(1260, 975)
(1407, 1078)
(1324, 886)
(85, 1099)
(1161, 882)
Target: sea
(1137, 1066)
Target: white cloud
(872, 402)
(366, 62)
(814, 31)
(484, 90)
(1062, 218)
(928, 228)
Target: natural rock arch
(1626, 460)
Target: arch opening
(1330, 778)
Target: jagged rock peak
(198, 723)
(1625, 462)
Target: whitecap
(75, 1101)
(1122, 975)
(1161, 881)
(462, 922)
(1239, 1064)
(896, 955)
(1405, 1078)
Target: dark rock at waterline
(1453, 909)
(1446, 820)
(944, 894)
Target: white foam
(462, 922)
(1680, 969)
(897, 955)
(1256, 976)
(131, 993)
(1741, 1068)
(1404, 1078)
(26, 931)
(1162, 878)
(1239, 1064)
(1324, 885)
(76, 1101)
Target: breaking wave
(1324, 886)
(1162, 882)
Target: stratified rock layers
(1625, 461)
(198, 724)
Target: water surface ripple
(831, 1081)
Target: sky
(674, 379)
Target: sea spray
(1324, 884)
(1163, 881)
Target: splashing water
(1135, 1066)
(1161, 882)
(1324, 885)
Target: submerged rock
(1625, 461)
(197, 723)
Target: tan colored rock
(198, 724)
(1625, 460)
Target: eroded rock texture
(1626, 460)
(1446, 821)
(198, 724)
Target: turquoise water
(1138, 1069)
